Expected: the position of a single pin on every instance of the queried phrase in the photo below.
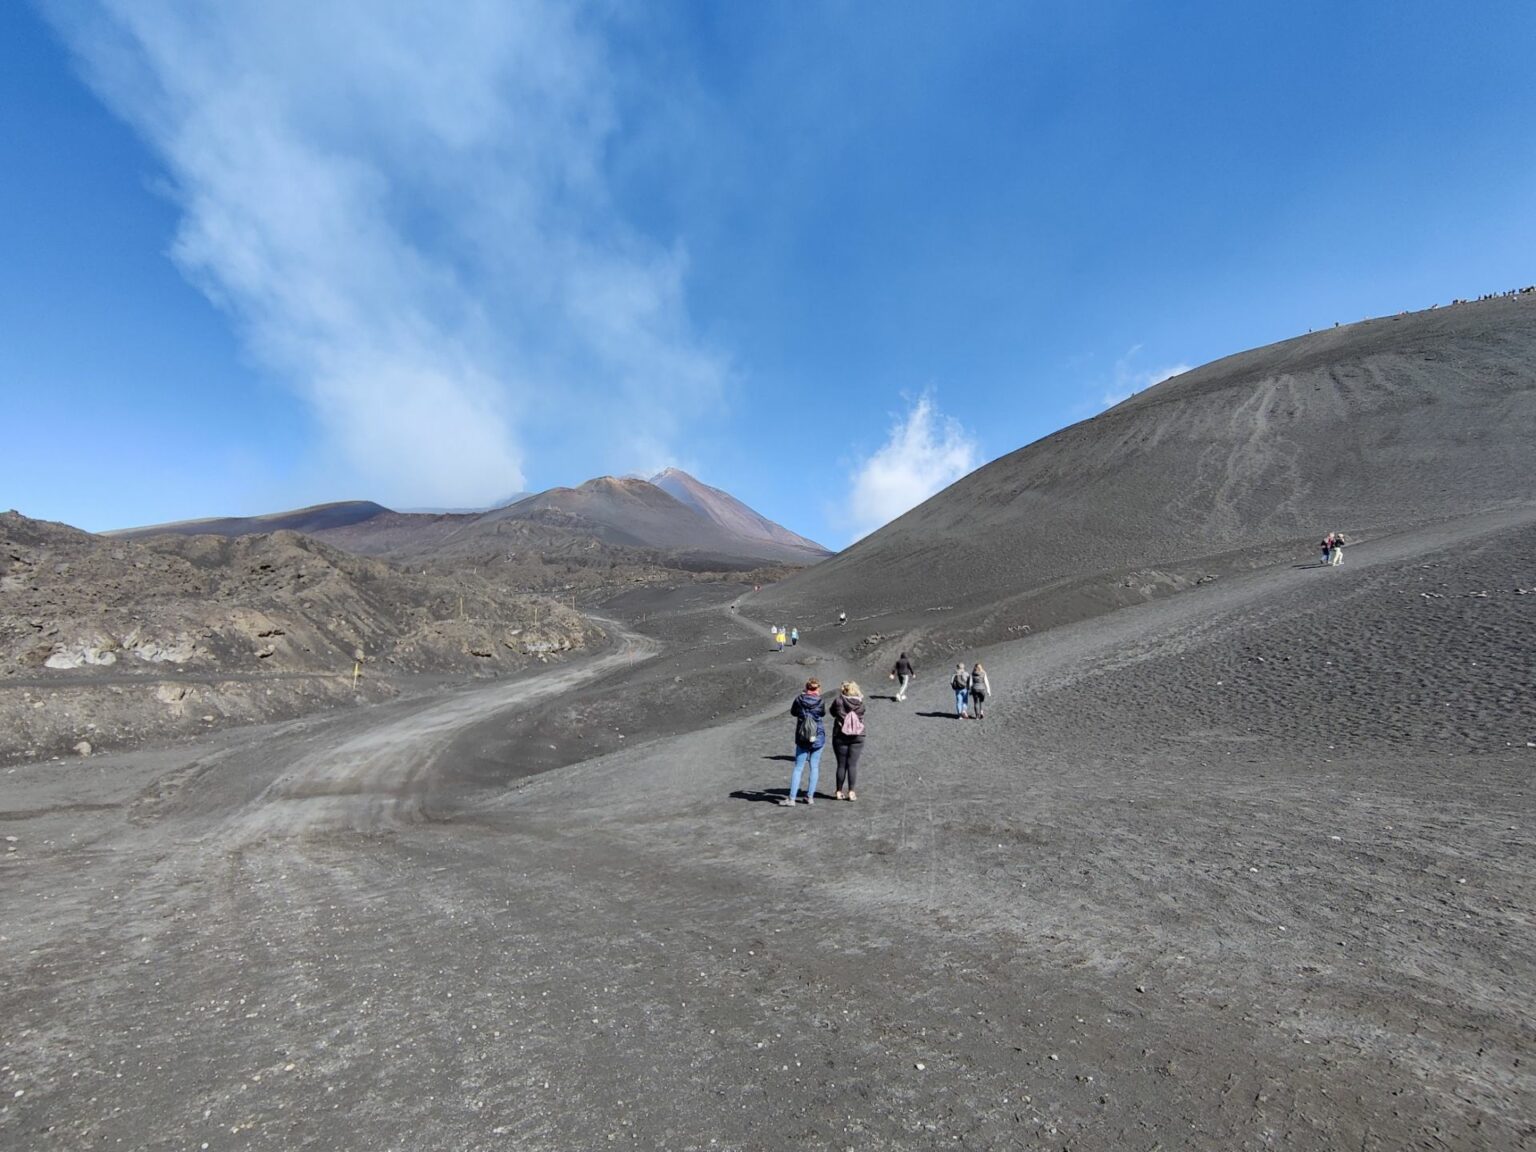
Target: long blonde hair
(851, 688)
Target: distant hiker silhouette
(842, 618)
(794, 637)
(902, 672)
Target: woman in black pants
(847, 713)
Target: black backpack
(805, 730)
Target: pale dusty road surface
(1252, 869)
(379, 776)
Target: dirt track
(1167, 895)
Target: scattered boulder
(98, 651)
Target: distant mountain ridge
(635, 512)
(672, 513)
(727, 511)
(310, 520)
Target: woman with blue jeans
(810, 738)
(961, 683)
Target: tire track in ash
(380, 777)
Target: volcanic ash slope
(1365, 429)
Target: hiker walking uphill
(1332, 549)
(980, 688)
(794, 637)
(961, 683)
(902, 673)
(847, 713)
(810, 738)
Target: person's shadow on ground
(768, 795)
(938, 715)
(782, 756)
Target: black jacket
(903, 666)
(839, 708)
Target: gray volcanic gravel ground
(1134, 908)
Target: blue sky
(826, 256)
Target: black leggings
(847, 762)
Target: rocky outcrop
(133, 639)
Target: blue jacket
(807, 705)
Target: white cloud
(925, 452)
(403, 208)
(1129, 379)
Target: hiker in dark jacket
(848, 737)
(902, 673)
(810, 738)
(980, 689)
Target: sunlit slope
(312, 520)
(1364, 428)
